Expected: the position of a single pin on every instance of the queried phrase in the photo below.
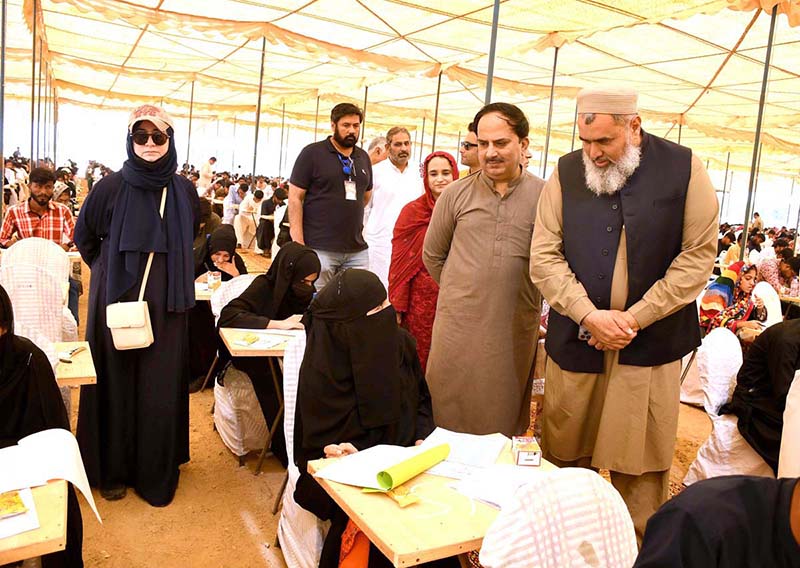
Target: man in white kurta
(395, 184)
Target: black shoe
(114, 493)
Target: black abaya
(31, 402)
(133, 425)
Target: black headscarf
(350, 379)
(223, 239)
(289, 267)
(136, 228)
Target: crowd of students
(449, 342)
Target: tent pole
(280, 155)
(757, 138)
(189, 137)
(436, 112)
(422, 139)
(680, 131)
(549, 114)
(574, 125)
(316, 119)
(3, 88)
(55, 130)
(233, 150)
(796, 225)
(724, 185)
(46, 110)
(258, 113)
(730, 191)
(758, 170)
(492, 51)
(364, 112)
(39, 107)
(791, 196)
(33, 80)
(458, 146)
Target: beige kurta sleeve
(439, 235)
(549, 269)
(688, 273)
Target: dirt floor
(221, 516)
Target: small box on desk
(526, 450)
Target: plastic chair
(789, 457)
(300, 533)
(725, 452)
(569, 517)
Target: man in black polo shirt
(331, 182)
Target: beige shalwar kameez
(487, 318)
(625, 419)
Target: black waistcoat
(651, 208)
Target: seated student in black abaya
(218, 254)
(734, 521)
(762, 386)
(360, 385)
(272, 301)
(31, 402)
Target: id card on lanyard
(348, 168)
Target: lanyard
(348, 167)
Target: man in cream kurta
(623, 418)
(487, 318)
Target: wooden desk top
(443, 523)
(81, 371)
(230, 335)
(51, 536)
(202, 293)
(790, 299)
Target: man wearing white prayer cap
(624, 241)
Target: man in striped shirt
(39, 216)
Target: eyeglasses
(141, 137)
(468, 145)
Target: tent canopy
(697, 64)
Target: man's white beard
(609, 180)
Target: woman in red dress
(412, 291)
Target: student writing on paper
(285, 290)
(360, 385)
(30, 402)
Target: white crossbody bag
(129, 322)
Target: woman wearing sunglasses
(133, 425)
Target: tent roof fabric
(697, 64)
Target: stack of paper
(497, 484)
(45, 455)
(469, 453)
(27, 520)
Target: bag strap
(150, 256)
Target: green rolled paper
(399, 473)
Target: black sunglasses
(142, 136)
(467, 145)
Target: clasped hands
(611, 330)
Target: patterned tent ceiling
(697, 64)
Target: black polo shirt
(331, 222)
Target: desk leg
(278, 415)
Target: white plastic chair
(569, 517)
(725, 452)
(39, 252)
(789, 457)
(772, 303)
(300, 533)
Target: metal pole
(55, 131)
(680, 131)
(492, 51)
(364, 120)
(233, 151)
(3, 89)
(33, 80)
(757, 138)
(724, 185)
(39, 106)
(258, 112)
(280, 155)
(46, 105)
(436, 112)
(316, 119)
(189, 138)
(574, 125)
(791, 196)
(458, 146)
(422, 139)
(758, 171)
(730, 191)
(550, 114)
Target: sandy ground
(221, 516)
